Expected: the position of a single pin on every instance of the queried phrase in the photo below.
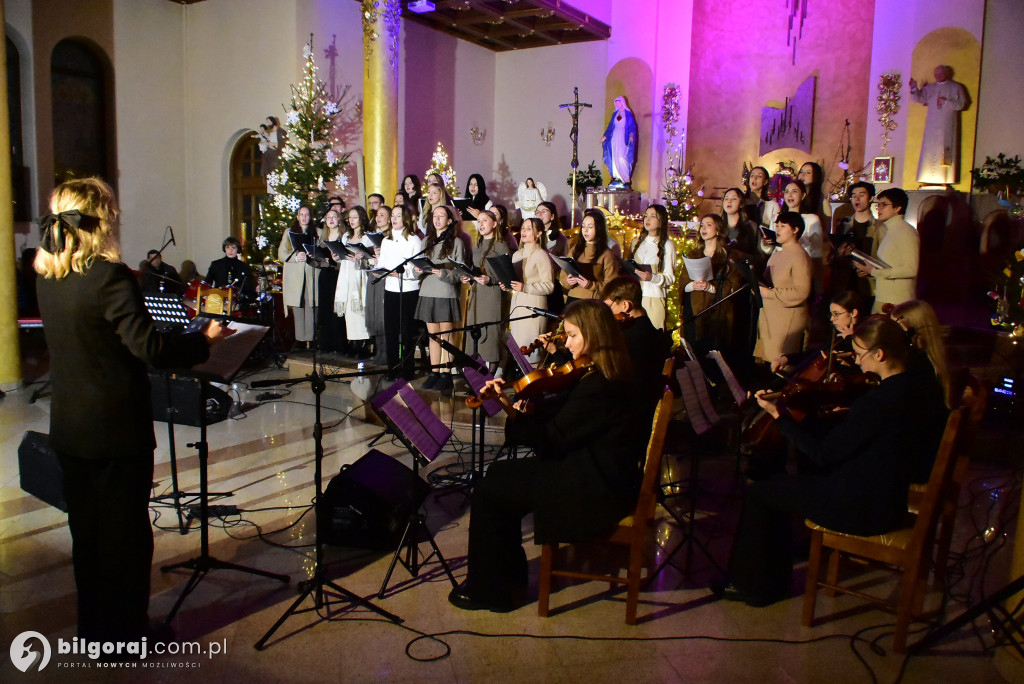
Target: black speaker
(41, 475)
(368, 503)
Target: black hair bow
(51, 235)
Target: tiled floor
(266, 457)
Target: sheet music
(425, 432)
(735, 387)
(694, 412)
(228, 354)
(476, 381)
(525, 367)
(701, 385)
(699, 269)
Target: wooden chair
(976, 393)
(908, 550)
(632, 531)
(214, 300)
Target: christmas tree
(439, 165)
(309, 166)
(681, 195)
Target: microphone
(172, 236)
(543, 312)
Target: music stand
(523, 363)
(226, 358)
(491, 408)
(424, 434)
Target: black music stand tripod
(317, 585)
(204, 562)
(416, 531)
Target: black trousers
(332, 326)
(497, 568)
(762, 559)
(399, 321)
(112, 542)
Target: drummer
(230, 271)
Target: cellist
(583, 478)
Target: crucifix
(574, 134)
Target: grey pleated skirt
(438, 310)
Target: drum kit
(245, 304)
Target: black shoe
(460, 598)
(431, 381)
(445, 384)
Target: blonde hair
(921, 321)
(605, 343)
(95, 239)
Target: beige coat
(537, 273)
(599, 272)
(784, 316)
(297, 276)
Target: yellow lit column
(381, 27)
(10, 358)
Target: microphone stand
(461, 359)
(317, 585)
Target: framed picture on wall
(881, 170)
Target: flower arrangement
(1002, 174)
(589, 177)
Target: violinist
(717, 329)
(846, 310)
(648, 345)
(928, 362)
(869, 457)
(583, 478)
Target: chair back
(652, 463)
(214, 300)
(666, 370)
(952, 459)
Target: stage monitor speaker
(368, 503)
(41, 474)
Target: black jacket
(227, 271)
(100, 338)
(890, 434)
(588, 476)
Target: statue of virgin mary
(619, 144)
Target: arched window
(247, 184)
(79, 89)
(19, 174)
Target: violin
(548, 380)
(622, 317)
(814, 388)
(540, 344)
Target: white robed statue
(940, 147)
(529, 196)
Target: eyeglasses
(834, 315)
(883, 204)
